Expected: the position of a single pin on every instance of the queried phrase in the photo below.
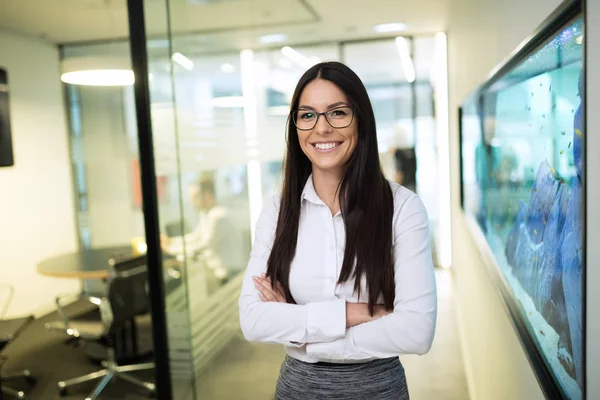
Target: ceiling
(220, 24)
(211, 33)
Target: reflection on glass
(522, 179)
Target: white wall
(481, 33)
(108, 148)
(36, 200)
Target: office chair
(126, 297)
(9, 330)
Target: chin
(328, 167)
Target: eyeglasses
(339, 117)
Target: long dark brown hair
(365, 198)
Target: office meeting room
(183, 212)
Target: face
(202, 200)
(194, 196)
(328, 148)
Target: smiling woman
(341, 271)
(328, 142)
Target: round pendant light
(97, 71)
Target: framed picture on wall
(522, 178)
(6, 151)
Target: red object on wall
(136, 176)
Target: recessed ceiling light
(275, 38)
(183, 61)
(299, 58)
(391, 27)
(405, 59)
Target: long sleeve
(288, 324)
(203, 236)
(191, 241)
(410, 328)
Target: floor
(51, 359)
(439, 374)
(249, 371)
(242, 371)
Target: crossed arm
(335, 329)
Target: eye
(338, 113)
(306, 115)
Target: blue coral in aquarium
(570, 258)
(544, 249)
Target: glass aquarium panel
(521, 159)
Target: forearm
(358, 313)
(291, 324)
(390, 336)
(405, 332)
(279, 322)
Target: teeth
(325, 146)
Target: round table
(93, 264)
(83, 264)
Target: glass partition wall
(219, 115)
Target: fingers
(380, 311)
(277, 290)
(266, 290)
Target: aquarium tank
(521, 160)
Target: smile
(323, 147)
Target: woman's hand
(358, 313)
(165, 242)
(266, 292)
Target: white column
(251, 129)
(440, 84)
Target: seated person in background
(204, 242)
(405, 160)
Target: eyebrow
(334, 105)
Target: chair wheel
(62, 390)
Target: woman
(341, 271)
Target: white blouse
(314, 329)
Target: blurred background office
(221, 74)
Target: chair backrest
(128, 288)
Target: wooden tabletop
(83, 264)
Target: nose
(323, 126)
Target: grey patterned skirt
(379, 380)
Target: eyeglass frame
(323, 114)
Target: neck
(326, 185)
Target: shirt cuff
(326, 320)
(335, 350)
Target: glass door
(218, 120)
(218, 116)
